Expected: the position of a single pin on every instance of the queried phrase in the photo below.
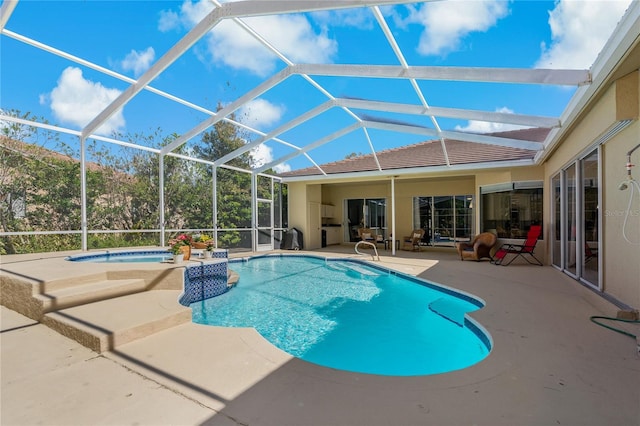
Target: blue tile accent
(220, 254)
(204, 280)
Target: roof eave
(405, 172)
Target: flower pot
(206, 254)
(178, 258)
(199, 245)
(186, 251)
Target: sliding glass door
(576, 216)
(443, 231)
(591, 219)
(557, 218)
(570, 219)
(365, 213)
(445, 219)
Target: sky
(127, 37)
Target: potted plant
(180, 247)
(209, 246)
(199, 241)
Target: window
(510, 209)
(445, 219)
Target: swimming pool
(137, 256)
(351, 316)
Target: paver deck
(549, 365)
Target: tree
(233, 187)
(354, 155)
(39, 188)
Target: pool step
(352, 268)
(51, 285)
(61, 298)
(107, 324)
(450, 309)
(362, 271)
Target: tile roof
(429, 154)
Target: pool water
(153, 256)
(349, 316)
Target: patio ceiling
(347, 115)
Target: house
(573, 187)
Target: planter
(199, 245)
(186, 251)
(178, 258)
(206, 254)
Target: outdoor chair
(412, 242)
(590, 252)
(478, 248)
(520, 250)
(366, 234)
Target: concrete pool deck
(549, 365)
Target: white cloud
(169, 20)
(191, 13)
(360, 18)
(447, 22)
(282, 168)
(138, 62)
(260, 112)
(262, 154)
(230, 45)
(292, 35)
(474, 126)
(579, 31)
(77, 101)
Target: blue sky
(129, 36)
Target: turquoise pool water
(349, 316)
(138, 256)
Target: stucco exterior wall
(298, 205)
(621, 267)
(620, 259)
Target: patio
(549, 365)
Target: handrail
(375, 249)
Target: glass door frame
(582, 221)
(428, 221)
(556, 219)
(572, 259)
(571, 202)
(360, 207)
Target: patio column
(393, 215)
(214, 197)
(161, 199)
(254, 214)
(83, 193)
